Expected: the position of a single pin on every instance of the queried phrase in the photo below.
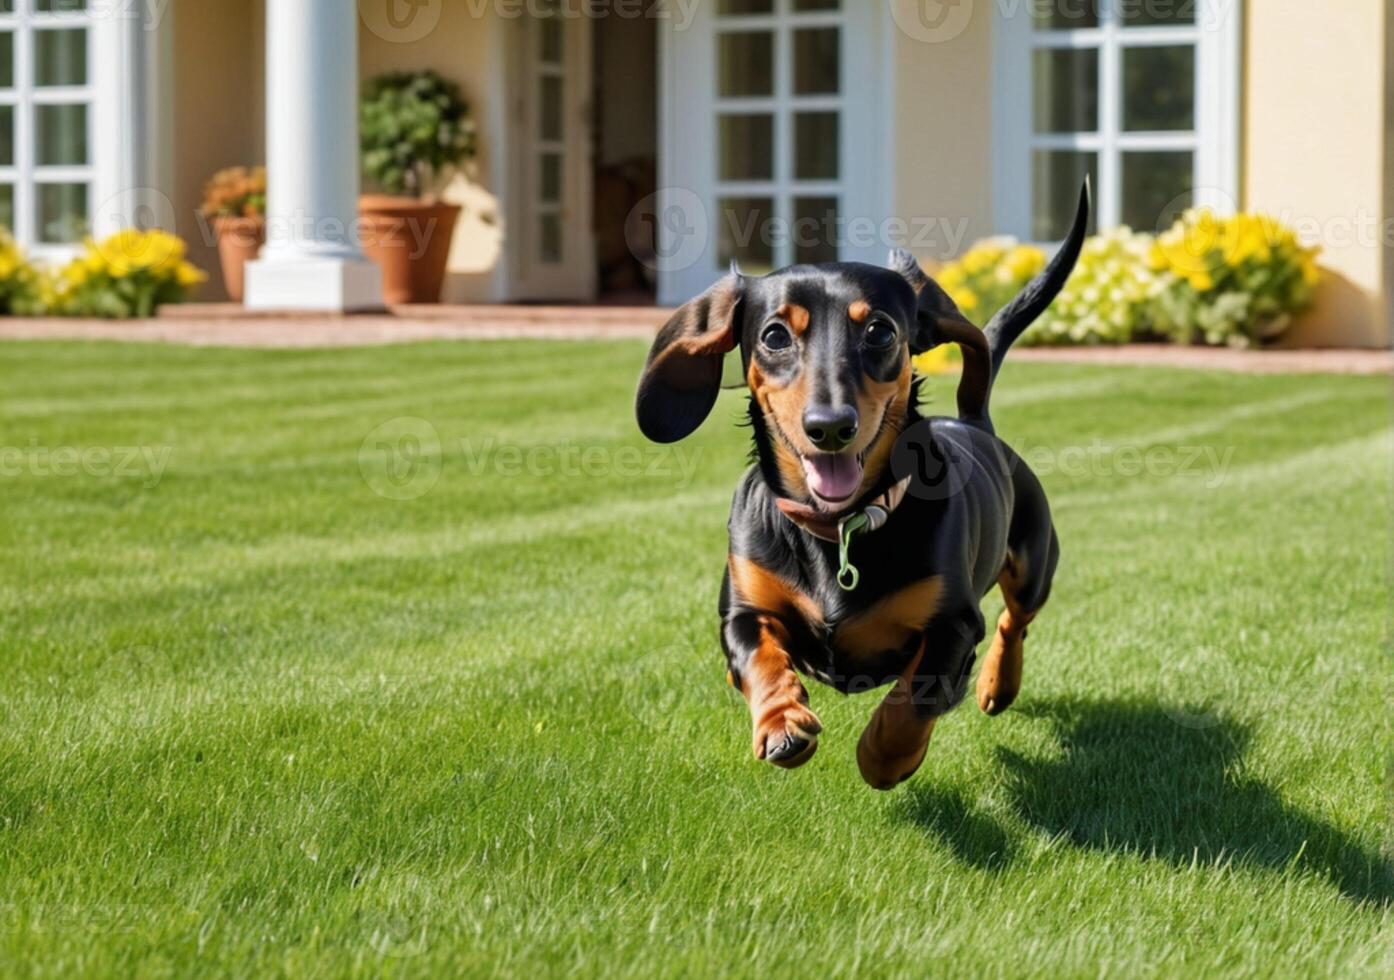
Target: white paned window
(780, 105)
(775, 118)
(1139, 94)
(51, 157)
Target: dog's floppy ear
(682, 378)
(938, 320)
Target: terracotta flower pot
(410, 239)
(239, 241)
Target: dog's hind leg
(1033, 551)
(1025, 584)
(894, 742)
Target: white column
(311, 260)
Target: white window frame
(690, 107)
(1216, 35)
(101, 95)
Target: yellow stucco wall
(942, 127)
(1316, 87)
(219, 110)
(464, 48)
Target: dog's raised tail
(1003, 329)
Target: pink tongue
(833, 478)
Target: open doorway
(625, 153)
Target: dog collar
(841, 531)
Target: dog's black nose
(831, 429)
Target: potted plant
(416, 131)
(235, 201)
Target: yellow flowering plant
(981, 282)
(19, 281)
(1236, 281)
(129, 274)
(940, 360)
(986, 277)
(1108, 297)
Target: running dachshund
(866, 535)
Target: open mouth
(833, 478)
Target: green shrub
(415, 127)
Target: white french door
(553, 255)
(774, 146)
(1142, 97)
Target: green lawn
(257, 717)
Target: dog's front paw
(786, 733)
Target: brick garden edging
(226, 325)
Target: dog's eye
(776, 337)
(880, 335)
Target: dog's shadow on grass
(974, 837)
(1137, 777)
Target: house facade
(634, 148)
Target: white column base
(324, 284)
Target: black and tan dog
(865, 536)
